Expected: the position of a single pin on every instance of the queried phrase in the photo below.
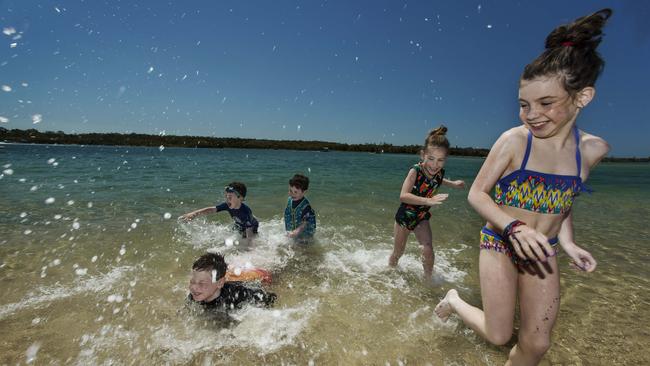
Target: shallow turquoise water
(64, 265)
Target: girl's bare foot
(392, 261)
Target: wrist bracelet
(508, 230)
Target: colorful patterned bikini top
(425, 186)
(540, 192)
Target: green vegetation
(136, 139)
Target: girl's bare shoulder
(512, 142)
(592, 147)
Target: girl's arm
(203, 211)
(594, 149)
(580, 258)
(453, 183)
(496, 163)
(406, 196)
(527, 241)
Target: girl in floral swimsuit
(418, 195)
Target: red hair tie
(568, 44)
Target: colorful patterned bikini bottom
(493, 241)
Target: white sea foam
(262, 330)
(271, 249)
(107, 337)
(364, 263)
(46, 295)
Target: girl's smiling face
(545, 106)
(433, 159)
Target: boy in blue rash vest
(210, 291)
(235, 193)
(299, 217)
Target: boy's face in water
(296, 193)
(233, 200)
(202, 288)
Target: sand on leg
(539, 303)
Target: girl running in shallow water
(531, 210)
(418, 195)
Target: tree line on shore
(137, 139)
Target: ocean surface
(94, 266)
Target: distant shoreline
(33, 136)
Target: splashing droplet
(32, 351)
(9, 30)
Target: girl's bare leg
(539, 304)
(498, 278)
(401, 234)
(423, 234)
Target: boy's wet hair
(437, 138)
(209, 262)
(237, 187)
(299, 181)
(571, 53)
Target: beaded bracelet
(508, 230)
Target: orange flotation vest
(248, 274)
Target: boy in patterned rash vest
(299, 216)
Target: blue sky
(345, 71)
